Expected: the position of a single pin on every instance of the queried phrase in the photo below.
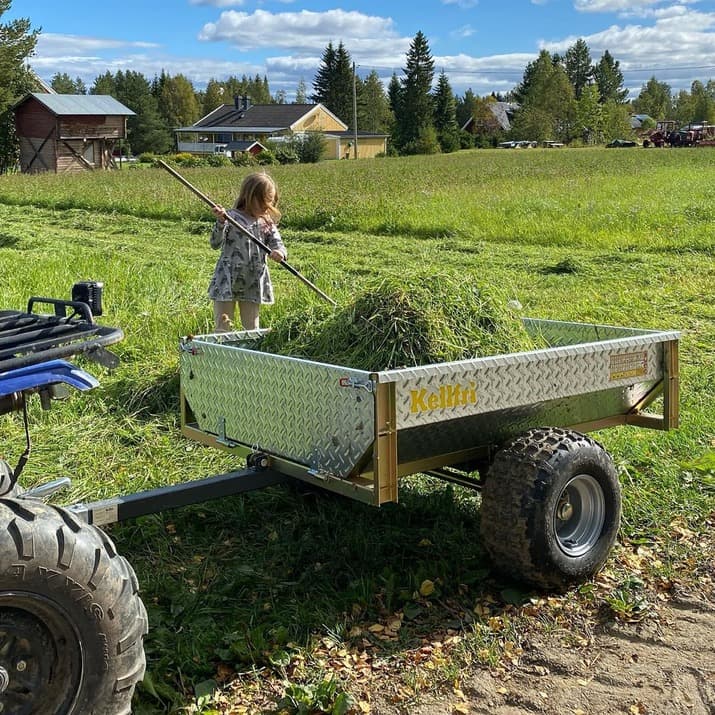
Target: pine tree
(394, 98)
(416, 111)
(465, 107)
(214, 96)
(546, 97)
(333, 83)
(445, 115)
(579, 67)
(104, 84)
(301, 92)
(609, 79)
(533, 75)
(322, 82)
(655, 100)
(703, 101)
(177, 102)
(615, 120)
(62, 83)
(147, 131)
(588, 115)
(374, 113)
(17, 44)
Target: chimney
(245, 102)
(236, 100)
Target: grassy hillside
(260, 592)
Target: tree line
(568, 98)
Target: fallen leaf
(427, 588)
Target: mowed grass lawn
(277, 594)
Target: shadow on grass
(145, 395)
(7, 240)
(242, 581)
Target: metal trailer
(512, 426)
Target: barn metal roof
(88, 104)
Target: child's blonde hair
(258, 196)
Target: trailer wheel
(551, 508)
(71, 621)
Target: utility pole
(355, 143)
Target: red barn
(69, 132)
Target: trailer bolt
(21, 666)
(4, 682)
(565, 510)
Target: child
(241, 274)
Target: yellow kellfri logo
(442, 398)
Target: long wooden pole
(244, 230)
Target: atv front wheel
(71, 620)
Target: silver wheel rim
(580, 514)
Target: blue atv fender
(43, 374)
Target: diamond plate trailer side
(357, 432)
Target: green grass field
(266, 595)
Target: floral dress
(241, 272)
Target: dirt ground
(661, 667)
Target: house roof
(638, 119)
(257, 117)
(243, 145)
(502, 112)
(85, 104)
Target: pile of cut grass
(392, 324)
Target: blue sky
(481, 44)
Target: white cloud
(50, 43)
(464, 31)
(666, 37)
(670, 48)
(302, 31)
(464, 4)
(614, 6)
(88, 57)
(218, 3)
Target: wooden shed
(69, 132)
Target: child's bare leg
(223, 315)
(249, 314)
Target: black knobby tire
(71, 621)
(8, 487)
(551, 508)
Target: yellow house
(242, 122)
